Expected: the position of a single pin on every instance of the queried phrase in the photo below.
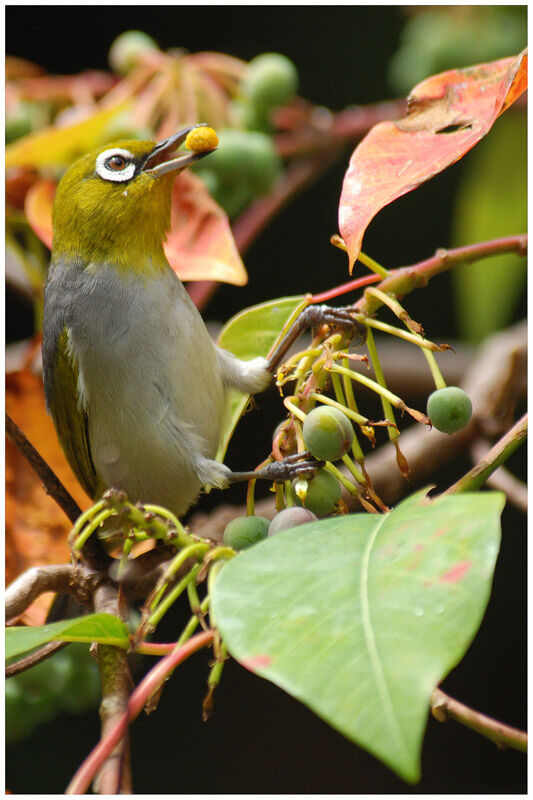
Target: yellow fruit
(201, 140)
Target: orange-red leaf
(200, 245)
(17, 184)
(447, 115)
(38, 208)
(36, 528)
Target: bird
(136, 387)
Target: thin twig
(444, 707)
(34, 658)
(93, 552)
(503, 480)
(85, 774)
(496, 456)
(51, 483)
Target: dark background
(260, 740)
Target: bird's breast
(149, 380)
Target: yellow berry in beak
(201, 140)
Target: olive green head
(113, 204)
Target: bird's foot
(297, 465)
(315, 317)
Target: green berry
(242, 532)
(264, 163)
(127, 49)
(449, 409)
(290, 518)
(328, 433)
(323, 493)
(251, 117)
(246, 158)
(270, 80)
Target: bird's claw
(290, 468)
(335, 318)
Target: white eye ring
(109, 174)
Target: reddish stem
(345, 287)
(82, 779)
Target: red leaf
(200, 245)
(447, 115)
(38, 207)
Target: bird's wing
(70, 420)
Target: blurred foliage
(67, 682)
(437, 38)
(491, 202)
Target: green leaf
(249, 334)
(102, 628)
(492, 202)
(361, 616)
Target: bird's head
(113, 204)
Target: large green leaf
(361, 616)
(102, 628)
(249, 334)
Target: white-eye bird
(135, 385)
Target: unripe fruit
(251, 117)
(449, 409)
(290, 518)
(270, 80)
(242, 532)
(323, 493)
(128, 47)
(264, 163)
(328, 433)
(246, 157)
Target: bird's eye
(116, 163)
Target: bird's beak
(158, 162)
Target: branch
(496, 456)
(34, 582)
(403, 280)
(114, 776)
(444, 707)
(83, 777)
(51, 483)
(92, 551)
(502, 479)
(34, 658)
